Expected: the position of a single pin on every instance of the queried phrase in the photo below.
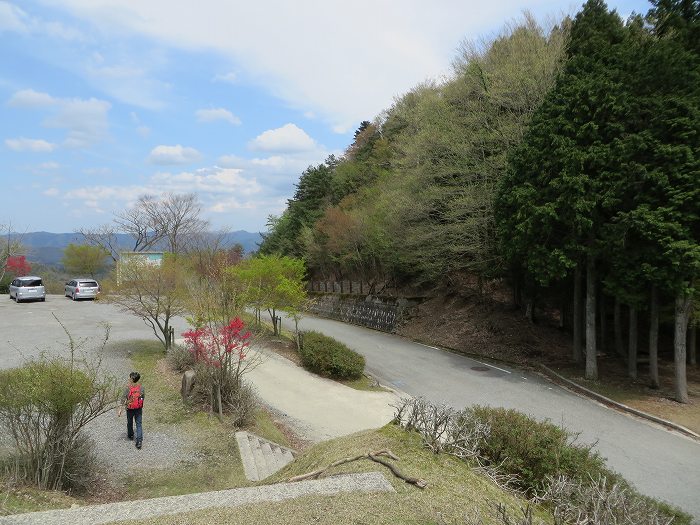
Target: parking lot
(27, 329)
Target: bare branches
(599, 502)
(442, 428)
(170, 222)
(104, 237)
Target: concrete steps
(140, 510)
(260, 457)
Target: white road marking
(485, 364)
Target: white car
(82, 289)
(27, 288)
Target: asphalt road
(27, 329)
(660, 463)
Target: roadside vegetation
(555, 164)
(454, 489)
(459, 490)
(327, 357)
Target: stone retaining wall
(372, 312)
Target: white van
(27, 288)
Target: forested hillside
(563, 162)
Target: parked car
(27, 288)
(82, 289)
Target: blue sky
(102, 101)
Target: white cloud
(109, 194)
(33, 145)
(210, 115)
(51, 192)
(85, 120)
(12, 18)
(231, 161)
(209, 180)
(229, 78)
(28, 98)
(288, 138)
(220, 190)
(49, 166)
(165, 155)
(340, 63)
(127, 77)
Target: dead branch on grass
(373, 456)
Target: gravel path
(162, 449)
(143, 509)
(29, 329)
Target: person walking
(132, 399)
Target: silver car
(82, 289)
(27, 288)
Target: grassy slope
(215, 461)
(454, 489)
(16, 500)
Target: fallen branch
(374, 456)
(418, 482)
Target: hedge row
(325, 356)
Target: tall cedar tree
(554, 202)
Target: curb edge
(616, 404)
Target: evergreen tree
(556, 199)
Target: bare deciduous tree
(171, 222)
(154, 293)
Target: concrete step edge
(169, 505)
(246, 452)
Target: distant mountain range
(47, 248)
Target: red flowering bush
(18, 265)
(220, 355)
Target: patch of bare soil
(490, 327)
(280, 346)
(478, 325)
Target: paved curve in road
(660, 463)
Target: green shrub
(325, 356)
(43, 407)
(5, 284)
(535, 450)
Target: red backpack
(134, 400)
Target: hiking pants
(131, 415)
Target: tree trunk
(680, 326)
(632, 348)
(218, 402)
(692, 346)
(591, 357)
(530, 310)
(619, 342)
(654, 338)
(166, 333)
(578, 332)
(603, 322)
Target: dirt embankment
(474, 324)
